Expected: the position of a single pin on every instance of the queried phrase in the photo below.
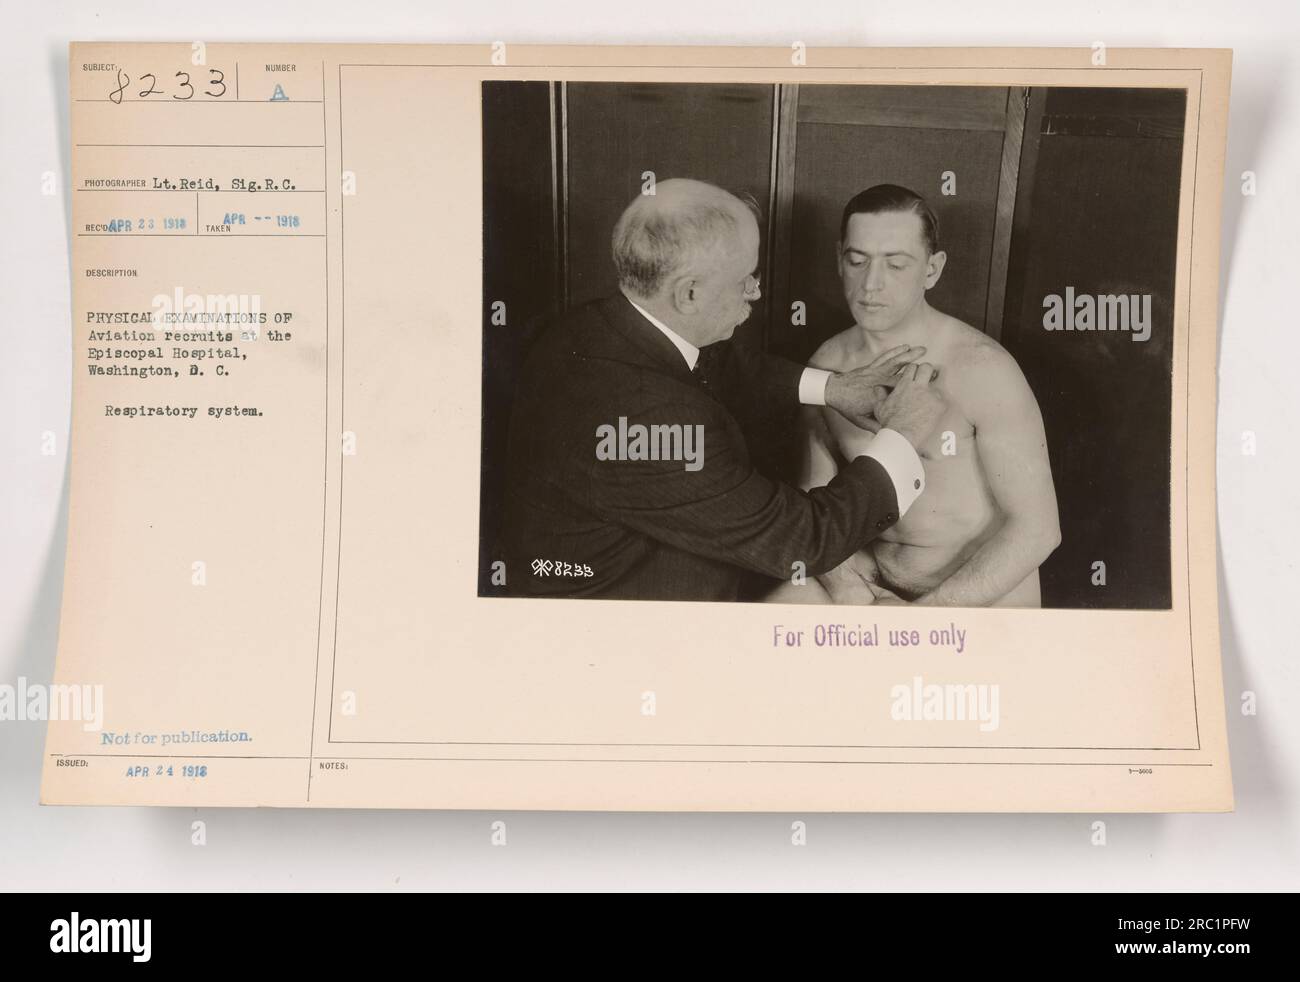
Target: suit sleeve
(762, 391)
(768, 378)
(727, 510)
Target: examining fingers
(896, 356)
(924, 372)
(887, 356)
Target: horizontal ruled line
(205, 102)
(200, 235)
(207, 190)
(754, 746)
(785, 66)
(645, 760)
(221, 146)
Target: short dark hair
(892, 197)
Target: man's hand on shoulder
(858, 394)
(914, 408)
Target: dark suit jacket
(576, 525)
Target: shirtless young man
(987, 517)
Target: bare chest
(956, 503)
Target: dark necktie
(707, 370)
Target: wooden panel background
(616, 132)
(849, 138)
(1100, 213)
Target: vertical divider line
(325, 470)
(783, 207)
(1013, 134)
(557, 284)
(563, 139)
(769, 244)
(1018, 246)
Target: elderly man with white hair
(629, 473)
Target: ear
(934, 268)
(685, 294)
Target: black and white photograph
(829, 344)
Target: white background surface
(143, 849)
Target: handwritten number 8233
(215, 89)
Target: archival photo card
(695, 428)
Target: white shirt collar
(688, 350)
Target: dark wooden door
(837, 140)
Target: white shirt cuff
(899, 459)
(812, 386)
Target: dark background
(1055, 187)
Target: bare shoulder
(982, 372)
(835, 353)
